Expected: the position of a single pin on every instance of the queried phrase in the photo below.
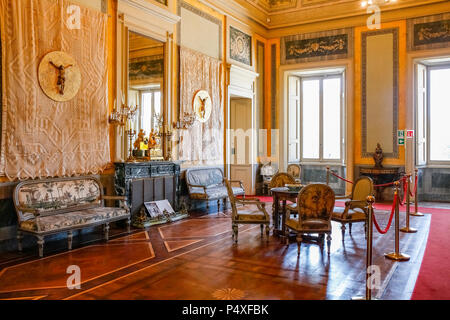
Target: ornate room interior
(224, 149)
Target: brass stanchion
(416, 212)
(408, 229)
(328, 176)
(397, 255)
(370, 202)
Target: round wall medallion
(59, 76)
(202, 105)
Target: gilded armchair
(295, 170)
(315, 204)
(355, 209)
(252, 212)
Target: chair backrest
(232, 198)
(54, 196)
(315, 201)
(362, 188)
(294, 170)
(281, 179)
(268, 170)
(204, 177)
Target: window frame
(321, 77)
(139, 118)
(427, 115)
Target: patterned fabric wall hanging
(430, 32)
(42, 137)
(337, 44)
(240, 46)
(203, 142)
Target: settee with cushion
(46, 207)
(208, 184)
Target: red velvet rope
(415, 187)
(390, 218)
(348, 181)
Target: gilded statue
(61, 76)
(140, 138)
(152, 143)
(378, 156)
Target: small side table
(282, 194)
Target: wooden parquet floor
(195, 259)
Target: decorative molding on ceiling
(310, 15)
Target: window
(151, 107)
(432, 114)
(315, 118)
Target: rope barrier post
(397, 255)
(370, 202)
(328, 176)
(407, 229)
(416, 212)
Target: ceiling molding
(319, 16)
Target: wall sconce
(186, 121)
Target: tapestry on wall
(430, 32)
(337, 44)
(240, 46)
(42, 137)
(203, 142)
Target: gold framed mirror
(145, 89)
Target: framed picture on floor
(157, 208)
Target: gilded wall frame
(365, 153)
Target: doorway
(241, 144)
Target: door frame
(241, 84)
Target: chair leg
(218, 205)
(235, 233)
(106, 231)
(69, 239)
(299, 243)
(350, 228)
(328, 243)
(343, 231)
(207, 206)
(224, 204)
(129, 225)
(267, 232)
(19, 240)
(40, 243)
(262, 230)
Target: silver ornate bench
(207, 184)
(46, 207)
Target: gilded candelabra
(123, 117)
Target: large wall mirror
(146, 90)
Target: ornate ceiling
(267, 15)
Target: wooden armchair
(355, 209)
(296, 171)
(252, 212)
(315, 204)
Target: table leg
(283, 220)
(276, 221)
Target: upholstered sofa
(53, 206)
(208, 184)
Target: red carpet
(433, 282)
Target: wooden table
(282, 194)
